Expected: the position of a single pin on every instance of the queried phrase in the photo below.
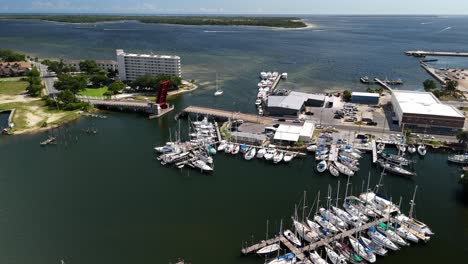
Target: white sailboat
(288, 156)
(218, 91)
(406, 234)
(289, 258)
(322, 166)
(392, 236)
(270, 153)
(316, 258)
(292, 237)
(362, 251)
(381, 239)
(202, 166)
(304, 232)
(335, 220)
(334, 257)
(378, 249)
(333, 170)
(343, 169)
(269, 249)
(222, 145)
(349, 219)
(323, 221)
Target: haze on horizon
(213, 7)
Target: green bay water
(106, 199)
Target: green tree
(67, 97)
(452, 85)
(99, 80)
(429, 85)
(10, 55)
(152, 82)
(35, 82)
(89, 66)
(74, 83)
(462, 137)
(347, 96)
(116, 87)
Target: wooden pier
(227, 114)
(301, 252)
(374, 151)
(333, 154)
(433, 73)
(383, 84)
(275, 83)
(422, 53)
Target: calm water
(106, 199)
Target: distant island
(276, 22)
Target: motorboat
(390, 234)
(243, 148)
(312, 148)
(304, 232)
(222, 145)
(258, 102)
(324, 222)
(261, 152)
(292, 237)
(228, 148)
(381, 146)
(335, 220)
(334, 257)
(346, 217)
(460, 159)
(411, 149)
(333, 170)
(288, 156)
(170, 147)
(343, 169)
(365, 253)
(316, 258)
(321, 157)
(377, 248)
(269, 249)
(235, 149)
(322, 166)
(402, 148)
(250, 154)
(218, 92)
(395, 169)
(289, 258)
(278, 157)
(270, 153)
(211, 150)
(380, 239)
(202, 166)
(381, 205)
(422, 150)
(395, 159)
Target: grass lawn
(13, 88)
(97, 92)
(11, 79)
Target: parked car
(282, 120)
(372, 123)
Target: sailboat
(411, 149)
(390, 234)
(333, 170)
(278, 157)
(380, 239)
(334, 257)
(316, 258)
(269, 249)
(378, 249)
(285, 259)
(292, 237)
(260, 153)
(362, 251)
(218, 92)
(250, 154)
(412, 222)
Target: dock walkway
(433, 73)
(333, 155)
(383, 84)
(420, 53)
(300, 252)
(227, 114)
(374, 151)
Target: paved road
(48, 78)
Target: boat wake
(221, 31)
(427, 23)
(445, 29)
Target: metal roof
(295, 100)
(424, 103)
(365, 94)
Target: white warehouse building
(132, 66)
(293, 133)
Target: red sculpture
(162, 94)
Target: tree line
(7, 55)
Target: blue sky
(448, 7)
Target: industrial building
(365, 98)
(132, 66)
(422, 111)
(107, 65)
(287, 134)
(293, 104)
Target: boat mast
(380, 181)
(304, 207)
(337, 194)
(318, 202)
(411, 211)
(266, 235)
(347, 184)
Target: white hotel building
(132, 66)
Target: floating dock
(333, 155)
(374, 151)
(383, 84)
(422, 53)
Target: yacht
(346, 217)
(460, 159)
(304, 232)
(222, 145)
(218, 92)
(390, 234)
(405, 233)
(395, 169)
(333, 170)
(278, 157)
(170, 147)
(334, 257)
(312, 148)
(269, 154)
(343, 169)
(411, 149)
(258, 102)
(324, 222)
(289, 258)
(395, 159)
(354, 211)
(261, 152)
(316, 258)
(202, 166)
(235, 149)
(413, 224)
(288, 156)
